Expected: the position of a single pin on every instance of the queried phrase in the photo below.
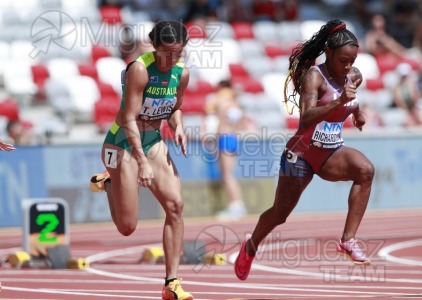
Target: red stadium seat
(98, 52)
(9, 108)
(110, 14)
(374, 84)
(201, 87)
(248, 84)
(238, 70)
(193, 103)
(106, 90)
(88, 70)
(292, 122)
(387, 63)
(275, 50)
(242, 30)
(39, 75)
(196, 30)
(105, 111)
(204, 87)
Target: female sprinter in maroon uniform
(327, 97)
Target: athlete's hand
(180, 139)
(349, 91)
(358, 120)
(145, 175)
(6, 146)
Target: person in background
(372, 116)
(378, 42)
(135, 154)
(328, 95)
(204, 10)
(407, 96)
(20, 133)
(224, 105)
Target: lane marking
(55, 292)
(232, 259)
(109, 254)
(385, 252)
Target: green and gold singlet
(158, 101)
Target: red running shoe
(243, 262)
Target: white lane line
(322, 275)
(56, 292)
(385, 252)
(109, 254)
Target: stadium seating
(109, 69)
(253, 55)
(242, 30)
(105, 111)
(98, 52)
(110, 14)
(9, 108)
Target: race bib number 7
(110, 158)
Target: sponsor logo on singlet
(154, 109)
(327, 135)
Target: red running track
(297, 260)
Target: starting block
(18, 258)
(214, 259)
(57, 258)
(153, 255)
(194, 252)
(37, 263)
(77, 263)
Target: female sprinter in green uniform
(134, 153)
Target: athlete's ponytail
(332, 35)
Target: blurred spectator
(406, 94)
(275, 10)
(289, 10)
(365, 9)
(239, 11)
(202, 10)
(231, 121)
(119, 3)
(267, 10)
(20, 133)
(372, 117)
(378, 42)
(405, 20)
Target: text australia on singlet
(327, 135)
(158, 108)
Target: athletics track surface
(298, 260)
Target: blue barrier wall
(64, 171)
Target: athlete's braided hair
(168, 32)
(332, 35)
